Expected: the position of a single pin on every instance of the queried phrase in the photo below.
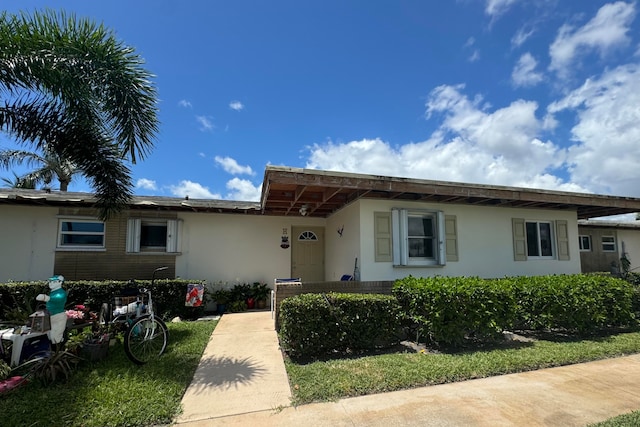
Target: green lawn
(114, 392)
(334, 379)
(627, 420)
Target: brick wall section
(286, 290)
(114, 263)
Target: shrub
(319, 324)
(579, 303)
(451, 310)
(168, 296)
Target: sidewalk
(241, 381)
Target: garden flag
(195, 294)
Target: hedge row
(450, 310)
(18, 298)
(580, 303)
(318, 324)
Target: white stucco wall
(342, 251)
(246, 248)
(28, 240)
(485, 243)
(631, 239)
(236, 248)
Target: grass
(631, 419)
(114, 392)
(333, 379)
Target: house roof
(54, 198)
(286, 190)
(609, 224)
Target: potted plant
(92, 345)
(260, 292)
(221, 296)
(240, 295)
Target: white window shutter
(399, 238)
(442, 256)
(133, 234)
(173, 235)
(404, 236)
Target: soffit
(286, 190)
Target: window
(417, 237)
(307, 235)
(539, 239)
(608, 244)
(80, 234)
(152, 235)
(585, 243)
(421, 236)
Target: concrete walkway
(241, 381)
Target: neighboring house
(393, 227)
(603, 243)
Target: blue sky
(541, 94)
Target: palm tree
(19, 182)
(48, 166)
(68, 86)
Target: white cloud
(524, 73)
(206, 123)
(606, 31)
(471, 145)
(521, 36)
(146, 184)
(475, 56)
(243, 189)
(495, 8)
(193, 190)
(606, 152)
(184, 103)
(231, 166)
(236, 105)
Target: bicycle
(145, 334)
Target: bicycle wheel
(146, 339)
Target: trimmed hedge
(319, 324)
(579, 303)
(168, 295)
(450, 310)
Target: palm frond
(70, 86)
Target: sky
(541, 94)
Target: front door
(307, 253)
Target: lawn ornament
(56, 301)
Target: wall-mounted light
(303, 210)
